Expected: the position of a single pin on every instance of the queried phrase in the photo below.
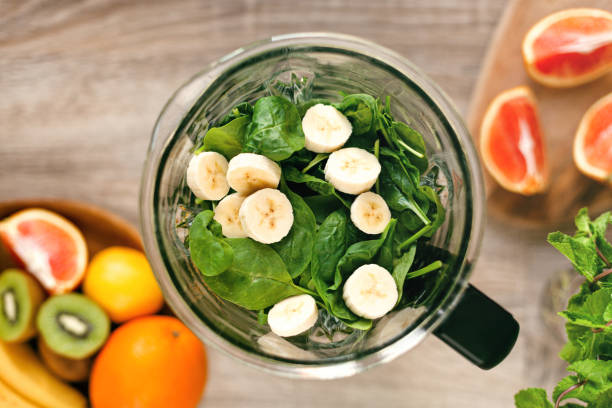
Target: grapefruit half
(48, 246)
(569, 47)
(593, 141)
(511, 142)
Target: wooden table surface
(82, 82)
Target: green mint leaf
(594, 371)
(600, 224)
(592, 312)
(604, 400)
(596, 376)
(532, 398)
(583, 221)
(581, 251)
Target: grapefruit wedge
(593, 141)
(48, 246)
(511, 142)
(569, 47)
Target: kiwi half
(20, 298)
(73, 325)
(65, 368)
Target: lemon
(120, 280)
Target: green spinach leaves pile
(589, 320)
(323, 247)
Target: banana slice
(227, 214)
(370, 291)
(293, 315)
(352, 170)
(206, 176)
(249, 172)
(325, 129)
(266, 216)
(370, 213)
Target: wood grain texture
(82, 83)
(560, 111)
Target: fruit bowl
(101, 229)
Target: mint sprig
(589, 320)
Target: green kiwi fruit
(20, 298)
(73, 325)
(67, 369)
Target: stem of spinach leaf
(414, 237)
(307, 291)
(570, 389)
(377, 154)
(410, 149)
(317, 159)
(426, 269)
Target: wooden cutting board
(560, 113)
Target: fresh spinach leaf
(361, 110)
(210, 254)
(295, 249)
(275, 129)
(359, 254)
(331, 242)
(397, 189)
(316, 184)
(304, 106)
(412, 141)
(262, 317)
(436, 212)
(238, 111)
(385, 253)
(257, 278)
(323, 205)
(228, 139)
(402, 268)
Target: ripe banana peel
(23, 374)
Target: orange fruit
(48, 246)
(511, 142)
(153, 362)
(569, 47)
(593, 141)
(120, 280)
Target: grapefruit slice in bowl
(48, 246)
(511, 142)
(593, 141)
(569, 48)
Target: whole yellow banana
(22, 370)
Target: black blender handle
(479, 329)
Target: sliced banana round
(370, 291)
(227, 214)
(352, 170)
(249, 172)
(325, 129)
(266, 215)
(370, 213)
(206, 176)
(293, 315)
